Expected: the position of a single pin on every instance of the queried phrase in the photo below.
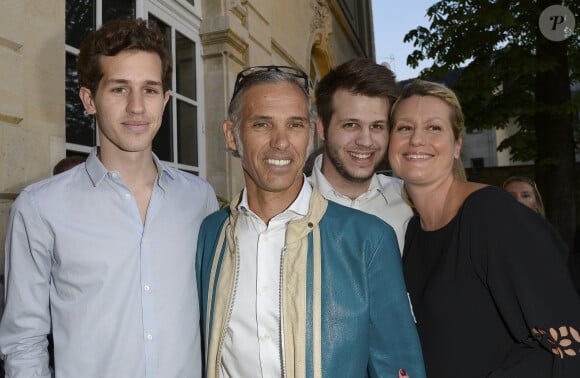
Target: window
(81, 18)
(357, 14)
(179, 141)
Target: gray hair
(262, 77)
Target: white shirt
(383, 199)
(252, 345)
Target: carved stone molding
(239, 9)
(321, 26)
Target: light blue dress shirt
(120, 295)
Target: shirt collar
(326, 187)
(97, 170)
(300, 205)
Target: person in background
(353, 102)
(104, 253)
(67, 163)
(489, 284)
(525, 191)
(293, 285)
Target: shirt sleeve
(523, 261)
(26, 319)
(394, 342)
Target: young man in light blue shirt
(103, 254)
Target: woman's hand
(403, 374)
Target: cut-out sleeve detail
(563, 341)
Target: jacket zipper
(281, 309)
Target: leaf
(574, 333)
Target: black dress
(480, 284)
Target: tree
(510, 70)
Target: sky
(391, 22)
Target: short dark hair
(68, 163)
(114, 37)
(360, 76)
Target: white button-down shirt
(383, 199)
(252, 345)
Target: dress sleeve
(394, 342)
(26, 318)
(523, 262)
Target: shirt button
(114, 175)
(149, 337)
(147, 288)
(127, 195)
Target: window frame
(184, 18)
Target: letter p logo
(556, 23)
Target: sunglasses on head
(298, 73)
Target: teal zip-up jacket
(344, 305)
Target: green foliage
(494, 44)
(522, 144)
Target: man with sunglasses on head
(353, 102)
(104, 253)
(290, 284)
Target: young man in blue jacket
(292, 285)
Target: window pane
(80, 19)
(163, 140)
(166, 30)
(185, 66)
(118, 9)
(187, 133)
(80, 127)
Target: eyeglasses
(298, 73)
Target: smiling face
(422, 145)
(356, 139)
(274, 135)
(129, 101)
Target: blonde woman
(489, 284)
(526, 192)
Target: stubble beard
(340, 167)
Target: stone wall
(32, 101)
(309, 34)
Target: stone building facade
(211, 40)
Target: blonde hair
(532, 183)
(429, 88)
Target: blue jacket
(345, 310)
